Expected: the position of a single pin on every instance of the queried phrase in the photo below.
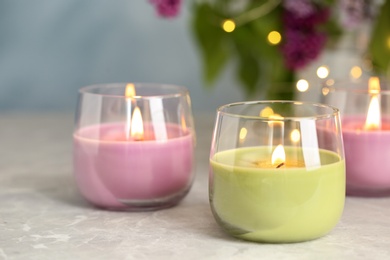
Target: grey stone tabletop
(43, 216)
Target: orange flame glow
(137, 126)
(373, 119)
(278, 155)
(130, 90)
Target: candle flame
(130, 90)
(373, 119)
(278, 155)
(137, 126)
(373, 85)
(129, 94)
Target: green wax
(276, 204)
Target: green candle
(255, 200)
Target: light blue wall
(50, 48)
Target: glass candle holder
(277, 170)
(134, 145)
(365, 116)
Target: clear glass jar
(277, 170)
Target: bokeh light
(266, 112)
(388, 42)
(274, 37)
(243, 133)
(322, 72)
(356, 72)
(295, 136)
(302, 85)
(228, 25)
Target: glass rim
(179, 90)
(333, 113)
(355, 90)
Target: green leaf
(261, 28)
(282, 90)
(333, 31)
(260, 65)
(248, 71)
(248, 38)
(327, 2)
(379, 47)
(211, 40)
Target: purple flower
(302, 48)
(303, 42)
(300, 8)
(290, 20)
(354, 12)
(167, 8)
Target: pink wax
(114, 172)
(367, 156)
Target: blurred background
(51, 48)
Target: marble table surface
(43, 216)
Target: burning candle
(136, 163)
(129, 94)
(276, 187)
(367, 145)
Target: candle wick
(280, 165)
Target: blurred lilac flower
(354, 12)
(301, 48)
(303, 42)
(303, 23)
(167, 8)
(301, 8)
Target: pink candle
(367, 154)
(114, 172)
